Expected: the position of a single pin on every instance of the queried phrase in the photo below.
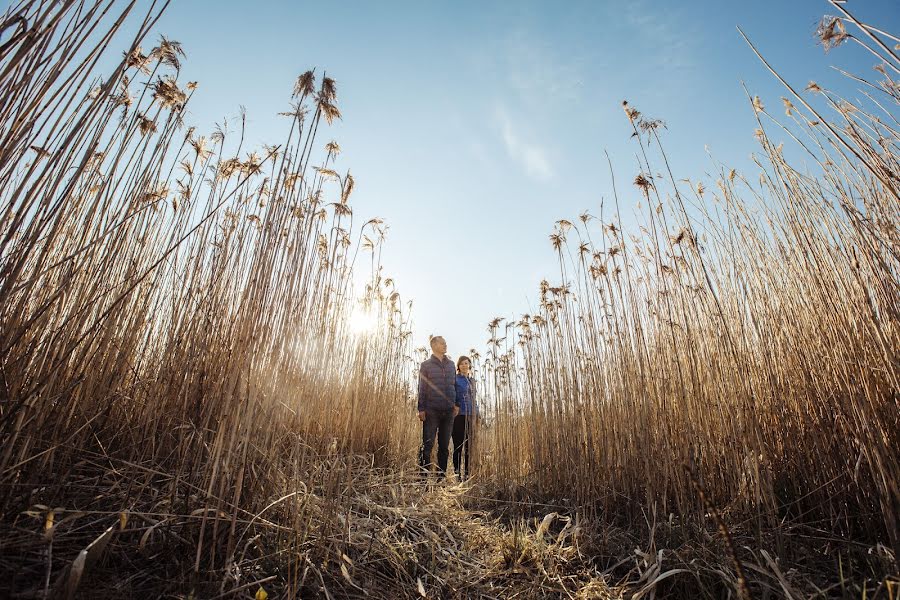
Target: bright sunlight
(362, 320)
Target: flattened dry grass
(346, 530)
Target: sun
(362, 321)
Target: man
(437, 405)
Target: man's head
(438, 346)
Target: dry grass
(185, 411)
(175, 310)
(749, 331)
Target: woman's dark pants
(462, 427)
(438, 423)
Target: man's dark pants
(438, 423)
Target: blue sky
(471, 127)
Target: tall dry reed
(749, 328)
(175, 311)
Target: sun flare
(362, 321)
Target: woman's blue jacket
(465, 395)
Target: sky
(471, 127)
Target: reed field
(705, 407)
(736, 359)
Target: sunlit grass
(198, 400)
(737, 354)
(178, 311)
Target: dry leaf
(67, 583)
(346, 573)
(545, 525)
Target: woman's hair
(460, 360)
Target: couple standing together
(447, 409)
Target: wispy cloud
(531, 156)
(537, 72)
(533, 82)
(665, 31)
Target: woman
(464, 423)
